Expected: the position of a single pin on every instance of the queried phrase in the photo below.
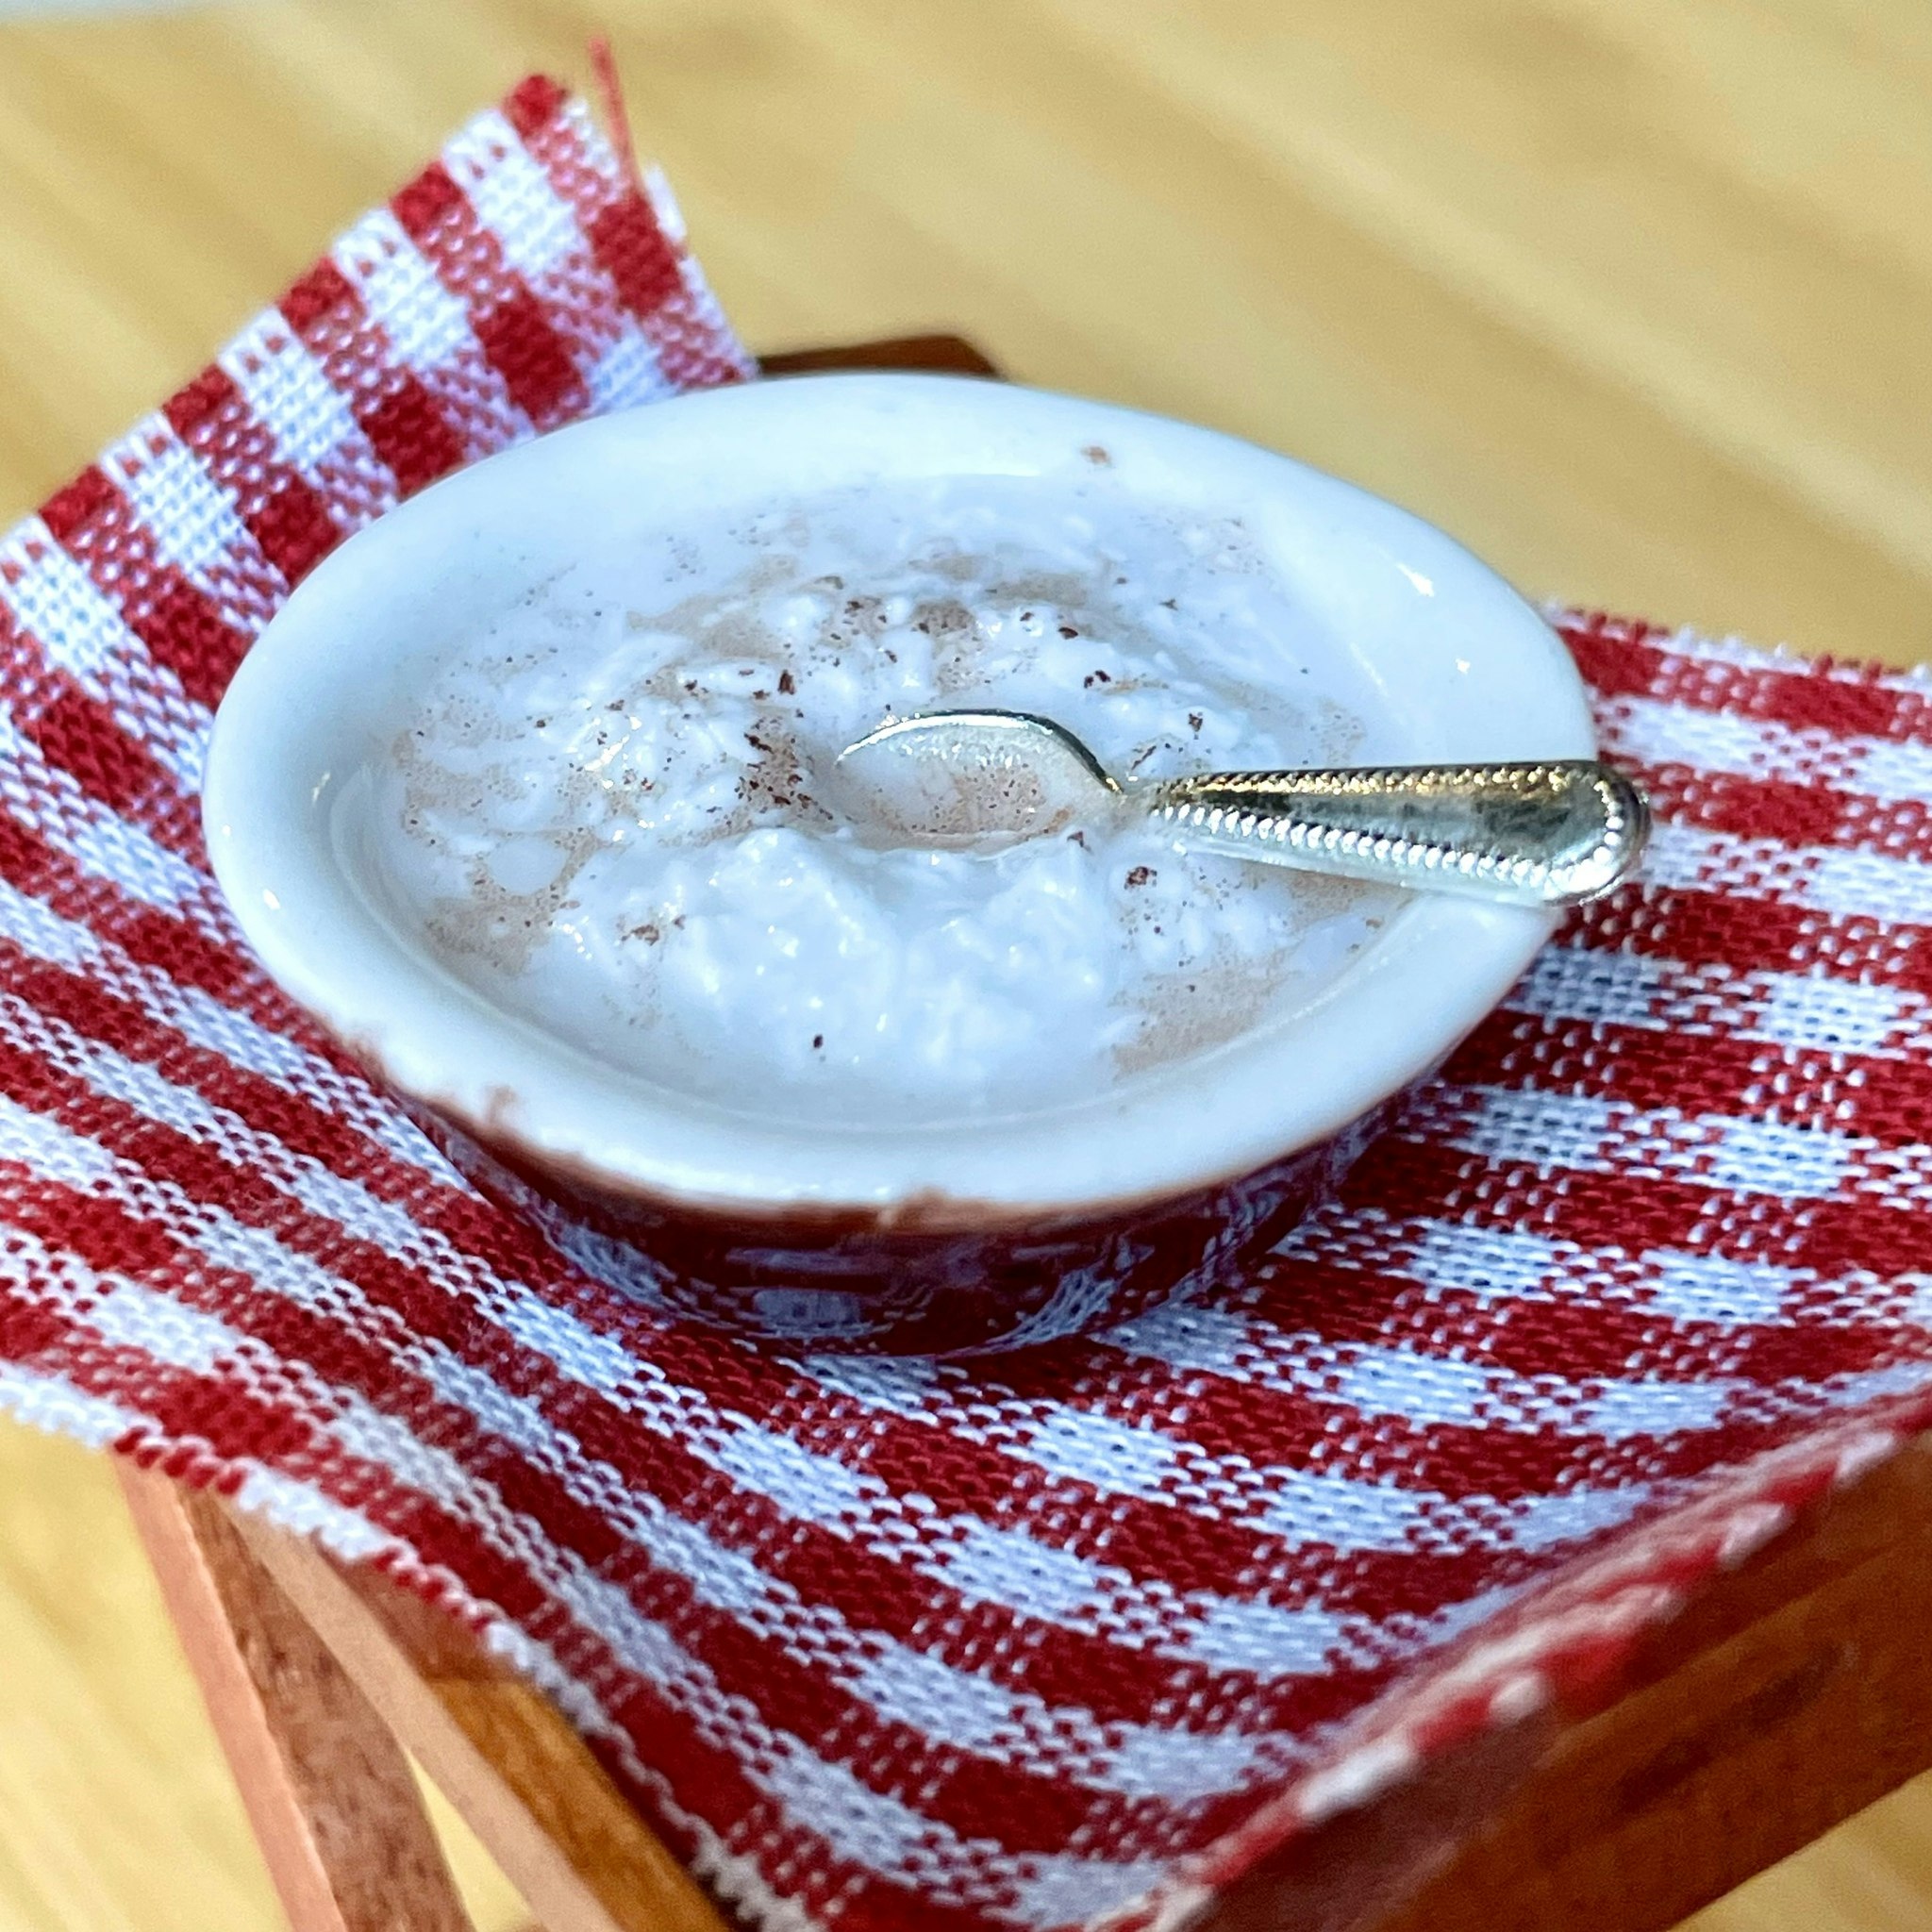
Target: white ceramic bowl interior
(1465, 669)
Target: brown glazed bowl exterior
(835, 1283)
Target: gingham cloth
(881, 1644)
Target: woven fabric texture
(1033, 1642)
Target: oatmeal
(613, 810)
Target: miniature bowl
(953, 1238)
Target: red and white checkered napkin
(882, 1645)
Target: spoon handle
(1553, 834)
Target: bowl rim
(1433, 974)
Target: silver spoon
(1553, 833)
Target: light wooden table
(1633, 296)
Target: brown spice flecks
(1141, 876)
(778, 782)
(1096, 454)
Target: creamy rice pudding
(613, 810)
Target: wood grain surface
(1633, 296)
(497, 1747)
(327, 1790)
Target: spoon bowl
(979, 778)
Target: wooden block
(327, 1790)
(503, 1755)
(943, 354)
(1793, 1693)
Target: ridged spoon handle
(1554, 834)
